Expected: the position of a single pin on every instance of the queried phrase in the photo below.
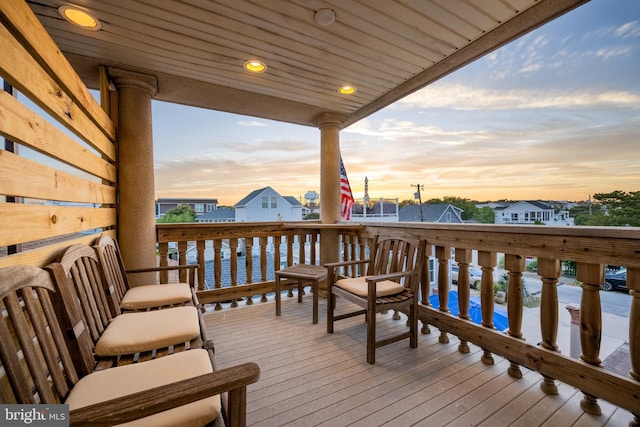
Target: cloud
(629, 29)
(463, 97)
(252, 123)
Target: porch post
(329, 125)
(136, 188)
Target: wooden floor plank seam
(312, 378)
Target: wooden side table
(302, 273)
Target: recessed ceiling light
(80, 17)
(324, 17)
(347, 90)
(255, 66)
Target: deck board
(311, 378)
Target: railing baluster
(217, 267)
(591, 276)
(515, 266)
(200, 247)
(443, 255)
(182, 259)
(549, 270)
(233, 262)
(263, 258)
(248, 245)
(290, 239)
(463, 258)
(313, 257)
(302, 256)
(425, 286)
(633, 284)
(488, 261)
(163, 252)
(277, 242)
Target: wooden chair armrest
(191, 267)
(346, 263)
(390, 276)
(233, 380)
(166, 268)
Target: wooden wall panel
(21, 125)
(25, 178)
(25, 23)
(47, 254)
(23, 72)
(24, 223)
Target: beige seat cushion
(123, 380)
(150, 296)
(147, 330)
(359, 286)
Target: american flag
(346, 198)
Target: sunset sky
(553, 115)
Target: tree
(617, 208)
(181, 213)
(485, 215)
(623, 209)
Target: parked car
(615, 281)
(475, 275)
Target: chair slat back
(85, 280)
(113, 267)
(37, 365)
(393, 255)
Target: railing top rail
(598, 245)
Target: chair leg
(331, 304)
(413, 327)
(371, 337)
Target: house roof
(292, 200)
(431, 212)
(255, 193)
(219, 213)
(249, 197)
(185, 201)
(196, 50)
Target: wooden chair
(144, 297)
(389, 281)
(38, 343)
(123, 338)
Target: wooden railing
(590, 247)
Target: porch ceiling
(387, 49)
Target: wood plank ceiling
(387, 49)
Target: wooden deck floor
(309, 377)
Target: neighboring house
(532, 212)
(382, 210)
(222, 214)
(265, 204)
(431, 212)
(200, 206)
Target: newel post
(591, 276)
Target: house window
(274, 202)
(265, 202)
(209, 207)
(448, 217)
(199, 207)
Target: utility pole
(417, 195)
